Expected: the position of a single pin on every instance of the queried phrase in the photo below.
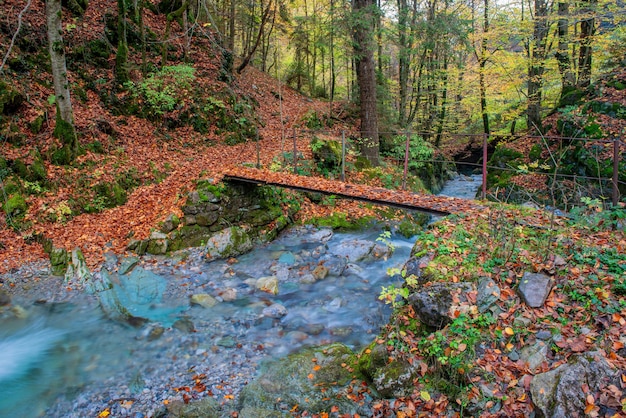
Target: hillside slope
(161, 161)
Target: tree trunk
(587, 30)
(64, 129)
(536, 65)
(248, 57)
(562, 55)
(363, 27)
(481, 71)
(121, 57)
(403, 60)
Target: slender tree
(536, 66)
(64, 128)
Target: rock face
(559, 392)
(314, 374)
(227, 219)
(534, 288)
(433, 303)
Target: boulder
(559, 393)
(313, 380)
(229, 242)
(433, 303)
(134, 298)
(354, 250)
(534, 289)
(392, 377)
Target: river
(62, 357)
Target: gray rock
(534, 288)
(353, 250)
(543, 335)
(323, 235)
(275, 310)
(170, 223)
(184, 325)
(392, 377)
(432, 303)
(534, 355)
(558, 393)
(488, 294)
(521, 321)
(336, 265)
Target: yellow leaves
(509, 331)
(105, 413)
(316, 367)
(425, 396)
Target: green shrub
(163, 90)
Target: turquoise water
(69, 359)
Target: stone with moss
(314, 379)
(230, 242)
(391, 376)
(15, 206)
(59, 260)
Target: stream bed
(211, 324)
(61, 357)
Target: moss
(59, 260)
(15, 206)
(37, 170)
(10, 99)
(37, 124)
(339, 221)
(20, 168)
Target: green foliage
(421, 152)
(397, 296)
(339, 221)
(163, 90)
(312, 120)
(15, 206)
(452, 353)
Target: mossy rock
(10, 99)
(59, 260)
(327, 154)
(37, 124)
(37, 170)
(15, 206)
(314, 379)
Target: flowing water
(61, 357)
(67, 359)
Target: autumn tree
(363, 21)
(64, 128)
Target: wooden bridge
(438, 205)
